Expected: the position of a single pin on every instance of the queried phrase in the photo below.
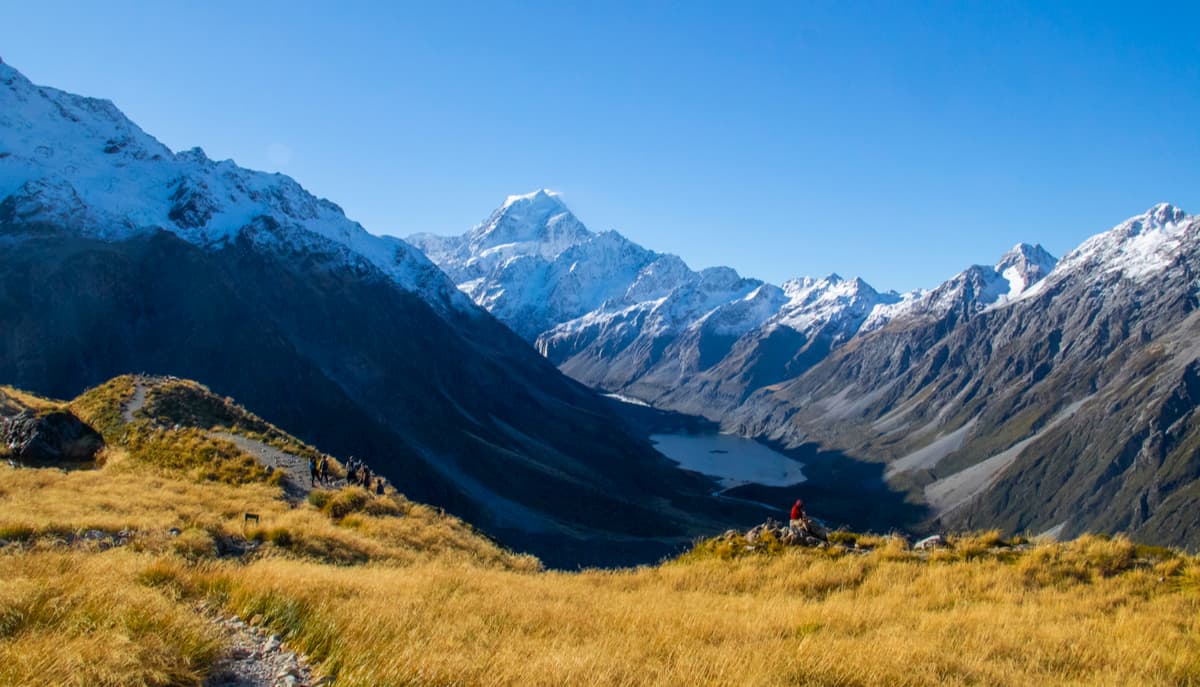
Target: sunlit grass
(383, 591)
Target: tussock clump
(338, 504)
(195, 543)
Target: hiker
(804, 526)
(366, 477)
(798, 510)
(323, 469)
(379, 486)
(312, 470)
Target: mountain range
(118, 255)
(1034, 394)
(1030, 394)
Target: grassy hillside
(99, 590)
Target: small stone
(256, 619)
(238, 653)
(272, 644)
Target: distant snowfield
(733, 460)
(627, 399)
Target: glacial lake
(731, 459)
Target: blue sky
(898, 141)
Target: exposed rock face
(1073, 406)
(50, 438)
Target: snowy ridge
(975, 289)
(80, 163)
(846, 303)
(602, 298)
(1137, 247)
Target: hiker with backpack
(312, 470)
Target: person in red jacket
(798, 510)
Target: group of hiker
(357, 473)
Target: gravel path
(136, 402)
(297, 483)
(255, 658)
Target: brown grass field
(382, 591)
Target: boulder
(54, 437)
(930, 543)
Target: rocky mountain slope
(1070, 408)
(118, 255)
(1032, 394)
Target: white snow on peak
(81, 163)
(1138, 247)
(975, 289)
(535, 224)
(1024, 266)
(815, 304)
(540, 195)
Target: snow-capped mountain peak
(1137, 248)
(816, 304)
(1024, 266)
(79, 163)
(537, 222)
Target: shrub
(319, 498)
(339, 504)
(346, 501)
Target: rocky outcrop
(49, 438)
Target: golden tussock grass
(78, 619)
(802, 617)
(384, 591)
(421, 600)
